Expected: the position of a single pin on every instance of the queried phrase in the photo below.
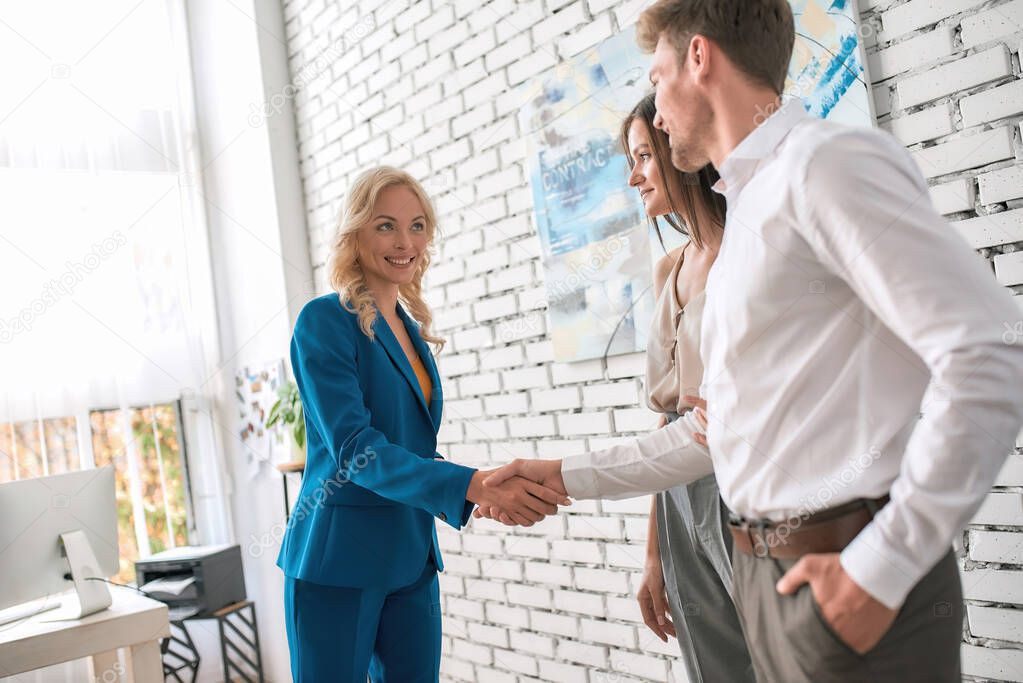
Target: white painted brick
(910, 54)
(563, 673)
(628, 556)
(525, 378)
(996, 546)
(506, 404)
(966, 152)
(610, 394)
(584, 371)
(928, 124)
(531, 596)
(991, 105)
(593, 33)
(467, 290)
(591, 655)
(516, 617)
(1001, 664)
(576, 551)
(1001, 185)
(635, 420)
(477, 46)
(944, 80)
(601, 580)
(473, 338)
(993, 585)
(627, 506)
(953, 196)
(1009, 268)
(987, 231)
(580, 603)
(553, 575)
(464, 409)
(995, 622)
(917, 14)
(562, 22)
(507, 52)
(513, 661)
(532, 426)
(882, 96)
(628, 12)
(607, 528)
(642, 666)
(558, 624)
(519, 21)
(454, 365)
(523, 327)
(529, 66)
(497, 307)
(560, 448)
(1002, 509)
(998, 22)
(523, 546)
(618, 635)
(584, 423)
(487, 383)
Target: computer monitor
(56, 533)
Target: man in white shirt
(840, 308)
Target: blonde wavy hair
(346, 276)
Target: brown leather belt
(828, 531)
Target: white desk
(133, 622)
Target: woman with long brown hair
(688, 566)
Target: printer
(193, 580)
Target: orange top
(423, 376)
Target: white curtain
(102, 289)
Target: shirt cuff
(872, 565)
(579, 477)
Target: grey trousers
(695, 548)
(791, 643)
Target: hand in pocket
(857, 618)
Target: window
(151, 474)
(106, 294)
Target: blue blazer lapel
(393, 348)
(436, 395)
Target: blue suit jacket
(373, 481)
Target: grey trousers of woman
(696, 549)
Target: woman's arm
(323, 360)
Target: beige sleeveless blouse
(673, 365)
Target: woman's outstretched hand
(545, 474)
(514, 500)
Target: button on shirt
(840, 308)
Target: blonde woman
(360, 555)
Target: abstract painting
(255, 393)
(827, 70)
(597, 245)
(593, 232)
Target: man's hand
(545, 473)
(700, 410)
(855, 616)
(520, 500)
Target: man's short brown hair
(756, 35)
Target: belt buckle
(760, 550)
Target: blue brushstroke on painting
(838, 77)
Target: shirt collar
(762, 141)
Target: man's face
(682, 108)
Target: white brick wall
(428, 85)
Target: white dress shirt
(841, 307)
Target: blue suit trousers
(339, 635)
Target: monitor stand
(89, 595)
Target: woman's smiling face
(646, 174)
(392, 244)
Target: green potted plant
(288, 411)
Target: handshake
(520, 493)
